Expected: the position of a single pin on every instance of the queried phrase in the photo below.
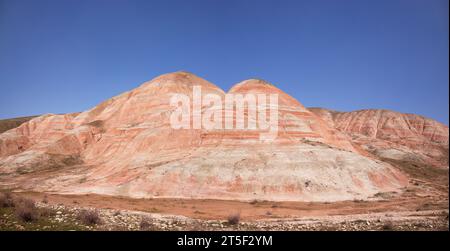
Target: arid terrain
(422, 205)
(120, 166)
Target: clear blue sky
(68, 55)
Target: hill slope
(125, 146)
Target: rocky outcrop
(7, 124)
(390, 134)
(125, 146)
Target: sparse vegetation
(97, 123)
(154, 210)
(27, 215)
(89, 217)
(384, 195)
(46, 212)
(433, 176)
(23, 214)
(146, 224)
(26, 210)
(6, 200)
(425, 206)
(388, 226)
(234, 218)
(253, 202)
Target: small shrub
(116, 213)
(425, 206)
(233, 219)
(45, 199)
(21, 201)
(146, 224)
(119, 228)
(388, 226)
(268, 213)
(253, 202)
(420, 225)
(6, 200)
(46, 212)
(89, 217)
(154, 210)
(26, 210)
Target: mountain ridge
(124, 146)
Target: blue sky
(69, 55)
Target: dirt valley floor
(65, 212)
(423, 205)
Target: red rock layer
(382, 130)
(126, 146)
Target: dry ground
(422, 205)
(428, 190)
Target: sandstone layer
(392, 135)
(125, 146)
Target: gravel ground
(115, 220)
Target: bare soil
(428, 190)
(422, 205)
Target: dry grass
(146, 224)
(46, 212)
(6, 200)
(89, 217)
(26, 210)
(434, 176)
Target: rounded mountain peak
(259, 86)
(181, 79)
(253, 85)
